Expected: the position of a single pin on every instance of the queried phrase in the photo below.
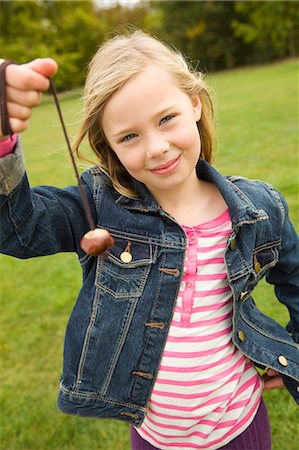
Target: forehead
(151, 89)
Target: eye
(129, 137)
(166, 118)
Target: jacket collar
(241, 208)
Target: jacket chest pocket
(263, 259)
(125, 270)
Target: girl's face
(150, 123)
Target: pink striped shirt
(206, 392)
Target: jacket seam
(96, 397)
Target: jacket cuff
(12, 169)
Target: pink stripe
(238, 405)
(218, 399)
(203, 262)
(248, 416)
(236, 376)
(213, 307)
(183, 396)
(213, 223)
(212, 423)
(211, 277)
(211, 292)
(208, 352)
(211, 248)
(197, 368)
(209, 307)
(165, 436)
(163, 425)
(210, 234)
(254, 380)
(208, 337)
(168, 436)
(168, 416)
(203, 323)
(191, 445)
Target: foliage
(225, 34)
(219, 34)
(66, 31)
(272, 27)
(201, 30)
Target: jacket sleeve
(40, 221)
(285, 274)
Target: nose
(156, 144)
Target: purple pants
(256, 437)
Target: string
(82, 192)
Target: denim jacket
(119, 325)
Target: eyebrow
(160, 113)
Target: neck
(194, 203)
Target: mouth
(167, 167)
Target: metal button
(297, 388)
(126, 257)
(282, 360)
(241, 335)
(244, 295)
(232, 244)
(257, 267)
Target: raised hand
(24, 86)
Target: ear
(196, 107)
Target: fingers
(27, 77)
(26, 98)
(272, 372)
(19, 107)
(18, 116)
(24, 85)
(273, 383)
(46, 67)
(17, 125)
(272, 380)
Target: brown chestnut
(96, 241)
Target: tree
(202, 30)
(271, 27)
(69, 32)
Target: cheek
(130, 160)
(188, 137)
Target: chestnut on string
(96, 241)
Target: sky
(109, 3)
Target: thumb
(44, 66)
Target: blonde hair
(115, 62)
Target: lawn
(257, 119)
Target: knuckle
(22, 125)
(21, 112)
(34, 98)
(25, 113)
(17, 125)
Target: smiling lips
(167, 167)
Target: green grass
(258, 129)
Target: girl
(165, 333)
